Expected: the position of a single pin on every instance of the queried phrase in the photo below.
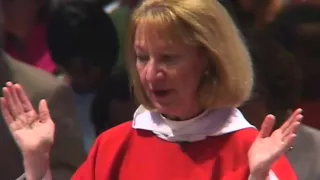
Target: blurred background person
(254, 13)
(297, 28)
(84, 43)
(25, 25)
(67, 151)
(190, 70)
(277, 91)
(120, 12)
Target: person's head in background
(114, 4)
(83, 41)
(20, 16)
(130, 3)
(277, 82)
(256, 13)
(298, 29)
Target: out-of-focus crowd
(73, 54)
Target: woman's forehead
(151, 34)
(148, 30)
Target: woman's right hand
(269, 146)
(33, 132)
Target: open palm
(32, 131)
(267, 148)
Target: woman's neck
(183, 117)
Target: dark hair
(278, 74)
(44, 11)
(82, 30)
(285, 27)
(2, 34)
(102, 3)
(289, 30)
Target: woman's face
(170, 72)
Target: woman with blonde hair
(190, 70)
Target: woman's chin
(163, 108)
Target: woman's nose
(153, 71)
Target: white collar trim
(214, 123)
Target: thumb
(44, 111)
(267, 126)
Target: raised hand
(32, 131)
(267, 148)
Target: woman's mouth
(160, 93)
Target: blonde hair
(205, 23)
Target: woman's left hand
(268, 147)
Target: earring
(209, 77)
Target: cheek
(189, 78)
(192, 82)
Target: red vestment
(124, 153)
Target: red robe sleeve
(283, 170)
(105, 155)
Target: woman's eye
(169, 59)
(142, 58)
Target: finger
(6, 95)
(293, 126)
(288, 142)
(26, 104)
(17, 106)
(44, 111)
(5, 111)
(11, 102)
(267, 126)
(290, 120)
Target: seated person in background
(67, 151)
(190, 70)
(256, 14)
(278, 83)
(297, 28)
(278, 90)
(25, 32)
(120, 12)
(83, 41)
